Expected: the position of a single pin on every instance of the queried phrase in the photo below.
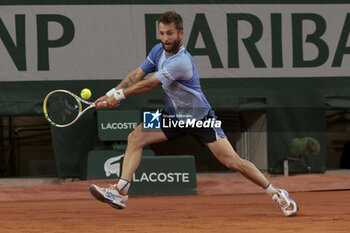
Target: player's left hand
(109, 102)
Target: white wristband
(119, 95)
(111, 92)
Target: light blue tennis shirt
(180, 81)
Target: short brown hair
(171, 16)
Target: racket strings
(62, 108)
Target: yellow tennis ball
(85, 94)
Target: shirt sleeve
(149, 65)
(176, 70)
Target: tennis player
(175, 71)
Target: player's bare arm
(129, 80)
(142, 87)
(134, 90)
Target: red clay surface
(223, 205)
(320, 212)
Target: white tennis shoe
(109, 195)
(287, 205)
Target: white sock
(123, 186)
(270, 190)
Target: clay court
(223, 204)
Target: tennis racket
(63, 108)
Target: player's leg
(137, 140)
(116, 195)
(224, 152)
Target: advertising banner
(156, 175)
(227, 40)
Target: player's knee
(134, 138)
(234, 164)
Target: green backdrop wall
(295, 107)
(260, 67)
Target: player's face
(170, 37)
